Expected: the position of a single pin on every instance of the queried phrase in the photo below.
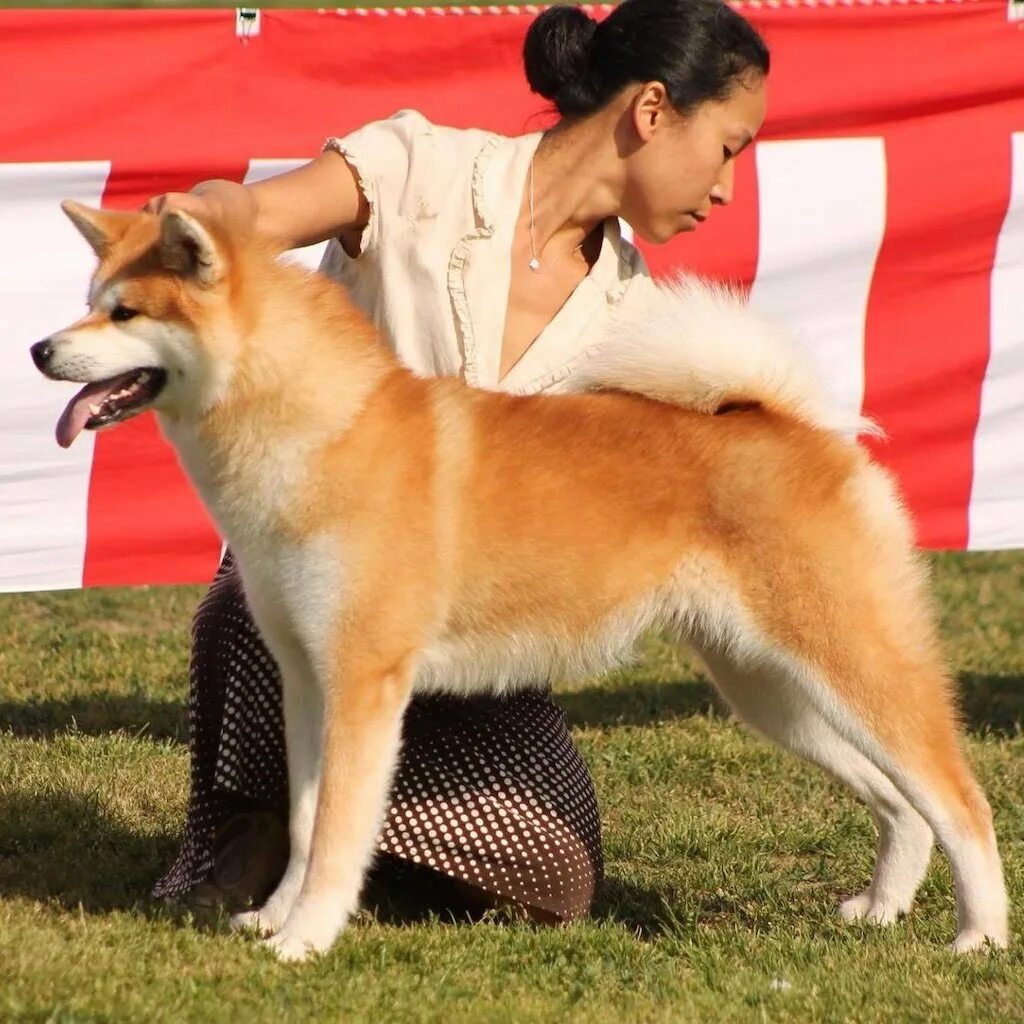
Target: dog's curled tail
(699, 344)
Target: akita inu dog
(396, 534)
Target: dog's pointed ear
(190, 249)
(100, 228)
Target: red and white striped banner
(881, 213)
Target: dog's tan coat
(394, 532)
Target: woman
(498, 259)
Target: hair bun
(556, 55)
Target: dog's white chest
(295, 590)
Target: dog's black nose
(41, 353)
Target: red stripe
(145, 522)
(927, 329)
(121, 84)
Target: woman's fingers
(186, 201)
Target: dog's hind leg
(303, 727)
(897, 712)
(364, 705)
(904, 838)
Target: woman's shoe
(250, 853)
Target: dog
(396, 535)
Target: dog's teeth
(94, 409)
(143, 377)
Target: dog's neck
(306, 363)
(307, 352)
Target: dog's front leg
(363, 709)
(303, 727)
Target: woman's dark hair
(696, 48)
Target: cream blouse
(434, 266)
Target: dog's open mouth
(105, 402)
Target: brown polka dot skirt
(489, 791)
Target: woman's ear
(650, 109)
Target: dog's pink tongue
(74, 418)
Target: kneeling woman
(498, 259)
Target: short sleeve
(386, 156)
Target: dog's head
(157, 334)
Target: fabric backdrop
(881, 213)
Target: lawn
(726, 857)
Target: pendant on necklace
(534, 264)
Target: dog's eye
(119, 313)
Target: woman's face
(684, 166)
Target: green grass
(725, 857)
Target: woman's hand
(187, 202)
(310, 204)
(214, 202)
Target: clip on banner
(247, 22)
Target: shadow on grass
(96, 716)
(990, 703)
(647, 913)
(62, 848)
(639, 702)
(993, 704)
(400, 893)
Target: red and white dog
(396, 534)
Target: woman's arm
(314, 202)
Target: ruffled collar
(480, 301)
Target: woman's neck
(576, 184)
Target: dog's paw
(289, 949)
(311, 928)
(865, 907)
(249, 921)
(292, 946)
(972, 940)
(269, 918)
(856, 907)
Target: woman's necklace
(534, 263)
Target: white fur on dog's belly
(500, 662)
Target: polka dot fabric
(489, 791)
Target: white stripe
(43, 488)
(822, 218)
(996, 515)
(259, 170)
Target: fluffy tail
(698, 344)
